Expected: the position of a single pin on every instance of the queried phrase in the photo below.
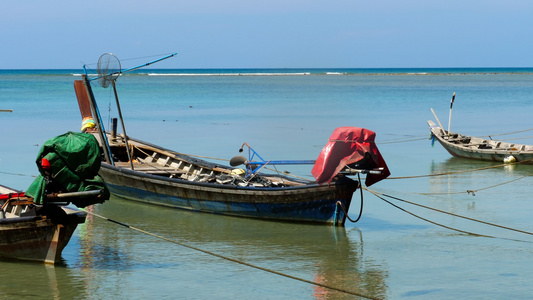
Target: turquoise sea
(396, 251)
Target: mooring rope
(414, 139)
(17, 174)
(346, 213)
(512, 139)
(378, 194)
(397, 177)
(400, 141)
(463, 171)
(427, 220)
(473, 192)
(403, 177)
(510, 132)
(339, 203)
(235, 260)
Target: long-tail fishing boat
(37, 225)
(466, 146)
(140, 171)
(479, 148)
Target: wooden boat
(139, 171)
(34, 232)
(482, 149)
(37, 225)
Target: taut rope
(235, 260)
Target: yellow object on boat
(237, 172)
(87, 123)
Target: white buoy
(509, 159)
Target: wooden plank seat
(150, 168)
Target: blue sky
(38, 34)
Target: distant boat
(140, 171)
(481, 149)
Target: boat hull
(309, 203)
(38, 238)
(487, 155)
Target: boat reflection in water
(29, 280)
(327, 255)
(462, 175)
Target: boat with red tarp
(140, 171)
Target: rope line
(445, 212)
(346, 213)
(401, 141)
(414, 139)
(405, 177)
(235, 260)
(512, 139)
(17, 174)
(473, 192)
(460, 172)
(206, 157)
(339, 203)
(511, 132)
(427, 220)
(386, 141)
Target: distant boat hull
(477, 148)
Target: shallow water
(388, 254)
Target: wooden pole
(450, 119)
(88, 92)
(122, 122)
(438, 121)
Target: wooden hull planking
(37, 238)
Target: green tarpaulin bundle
(74, 161)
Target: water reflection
(454, 164)
(94, 254)
(480, 190)
(35, 280)
(327, 255)
(459, 177)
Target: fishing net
(108, 69)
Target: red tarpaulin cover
(348, 145)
